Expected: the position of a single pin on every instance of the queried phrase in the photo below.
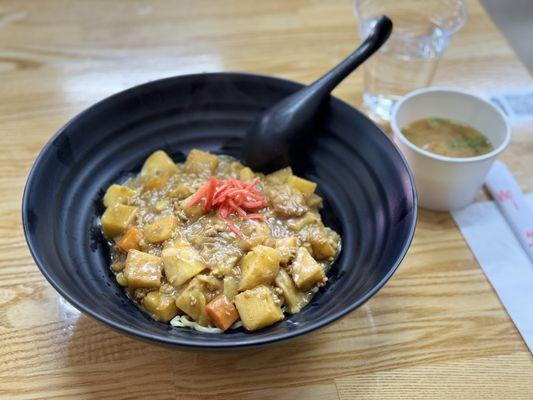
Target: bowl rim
(455, 160)
(201, 343)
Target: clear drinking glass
(420, 35)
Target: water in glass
(408, 60)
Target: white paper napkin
(503, 259)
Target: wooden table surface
(437, 330)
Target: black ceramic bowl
(368, 189)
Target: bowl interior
(456, 105)
(368, 191)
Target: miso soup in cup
(450, 139)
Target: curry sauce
(212, 245)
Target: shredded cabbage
(236, 325)
(182, 321)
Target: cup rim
(456, 160)
(356, 8)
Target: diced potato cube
(210, 282)
(192, 302)
(118, 266)
(305, 271)
(199, 160)
(161, 205)
(303, 185)
(155, 183)
(222, 312)
(246, 174)
(287, 248)
(116, 219)
(160, 230)
(142, 270)
(314, 201)
(231, 287)
(117, 194)
(295, 300)
(176, 242)
(236, 166)
(161, 307)
(296, 224)
(225, 265)
(121, 279)
(322, 246)
(259, 266)
(181, 263)
(257, 308)
(280, 176)
(192, 212)
(159, 164)
(259, 233)
(181, 191)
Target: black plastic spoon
(283, 129)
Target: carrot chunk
(130, 240)
(222, 312)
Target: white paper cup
(448, 183)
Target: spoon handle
(284, 129)
(379, 35)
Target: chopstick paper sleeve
(512, 204)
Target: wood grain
(480, 378)
(437, 329)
